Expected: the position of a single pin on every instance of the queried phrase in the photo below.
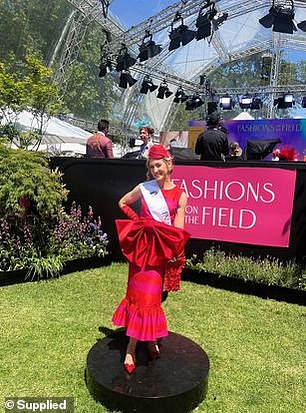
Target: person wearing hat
(212, 144)
(153, 243)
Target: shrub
(35, 232)
(268, 270)
(76, 236)
(27, 185)
(43, 247)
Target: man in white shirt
(145, 134)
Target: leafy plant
(35, 231)
(39, 267)
(27, 185)
(268, 270)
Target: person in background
(212, 144)
(288, 153)
(235, 152)
(99, 145)
(154, 244)
(146, 135)
(275, 155)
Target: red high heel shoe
(130, 367)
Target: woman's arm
(179, 219)
(129, 199)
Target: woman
(235, 153)
(149, 242)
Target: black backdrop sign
(101, 183)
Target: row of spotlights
(192, 102)
(179, 36)
(280, 18)
(249, 102)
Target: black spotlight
(148, 48)
(284, 102)
(181, 35)
(126, 79)
(219, 19)
(256, 103)
(212, 107)
(105, 67)
(288, 100)
(280, 18)
(163, 90)
(194, 102)
(304, 102)
(302, 26)
(124, 60)
(147, 85)
(180, 96)
(245, 101)
(203, 22)
(226, 102)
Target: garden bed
(242, 286)
(80, 264)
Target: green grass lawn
(256, 347)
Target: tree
(32, 89)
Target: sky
(140, 10)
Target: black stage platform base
(176, 382)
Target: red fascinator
(158, 152)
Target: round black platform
(176, 382)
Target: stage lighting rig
(105, 67)
(256, 103)
(284, 102)
(124, 59)
(147, 85)
(302, 26)
(245, 101)
(219, 19)
(280, 17)
(226, 102)
(203, 22)
(148, 48)
(181, 35)
(194, 102)
(163, 90)
(180, 96)
(126, 79)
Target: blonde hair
(168, 161)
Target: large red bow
(146, 242)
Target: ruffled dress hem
(147, 323)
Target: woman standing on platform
(154, 246)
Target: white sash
(155, 201)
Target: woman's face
(159, 169)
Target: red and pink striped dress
(140, 312)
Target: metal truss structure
(86, 11)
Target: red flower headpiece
(158, 152)
(288, 153)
